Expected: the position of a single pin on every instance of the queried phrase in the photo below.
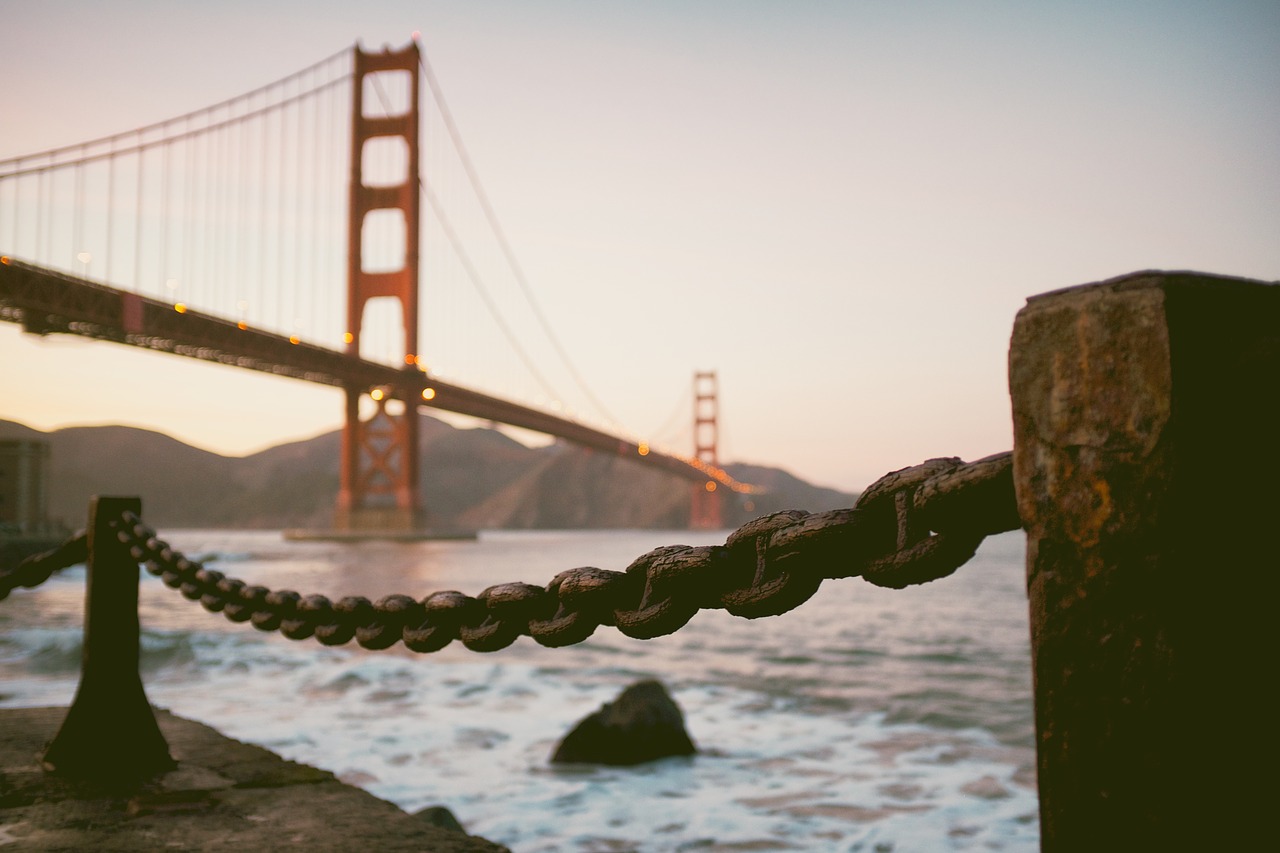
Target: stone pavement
(224, 795)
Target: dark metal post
(110, 732)
(1148, 473)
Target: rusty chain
(38, 568)
(911, 526)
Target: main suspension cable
(501, 237)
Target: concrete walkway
(224, 795)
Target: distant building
(24, 494)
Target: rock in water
(441, 817)
(643, 724)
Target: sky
(838, 206)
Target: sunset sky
(839, 207)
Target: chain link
(909, 527)
(38, 568)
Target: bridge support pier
(378, 489)
(705, 507)
(1146, 464)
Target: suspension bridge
(285, 231)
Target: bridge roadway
(48, 302)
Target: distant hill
(476, 478)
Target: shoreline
(224, 795)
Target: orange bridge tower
(378, 490)
(705, 512)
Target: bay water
(864, 720)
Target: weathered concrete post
(1147, 470)
(110, 732)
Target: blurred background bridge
(284, 231)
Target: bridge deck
(48, 302)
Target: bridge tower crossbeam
(379, 471)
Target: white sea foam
(865, 720)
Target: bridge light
(428, 393)
(643, 449)
(294, 339)
(180, 307)
(410, 358)
(4, 259)
(711, 486)
(376, 394)
(84, 257)
(242, 325)
(347, 337)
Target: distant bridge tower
(705, 513)
(379, 471)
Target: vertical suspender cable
(217, 179)
(204, 191)
(218, 248)
(5, 184)
(166, 163)
(111, 209)
(324, 212)
(13, 220)
(201, 270)
(240, 277)
(235, 214)
(40, 181)
(77, 230)
(280, 197)
(50, 219)
(138, 218)
(320, 288)
(219, 209)
(341, 171)
(57, 222)
(259, 292)
(17, 198)
(226, 212)
(210, 205)
(333, 261)
(209, 161)
(188, 204)
(311, 297)
(306, 210)
(231, 219)
(212, 148)
(296, 277)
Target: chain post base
(110, 732)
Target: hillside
(477, 478)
